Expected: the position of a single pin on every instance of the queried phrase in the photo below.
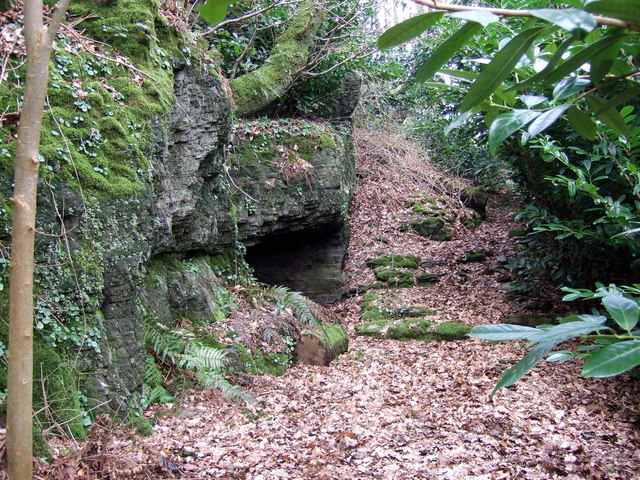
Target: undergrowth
(183, 350)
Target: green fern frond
(296, 302)
(197, 357)
(300, 306)
(212, 379)
(159, 395)
(152, 376)
(181, 348)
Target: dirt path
(408, 410)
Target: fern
(294, 301)
(181, 348)
(213, 379)
(158, 395)
(152, 376)
(197, 357)
(153, 390)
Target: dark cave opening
(309, 262)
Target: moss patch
(473, 256)
(427, 279)
(433, 228)
(394, 261)
(256, 90)
(395, 278)
(376, 308)
(413, 329)
(258, 363)
(96, 130)
(55, 380)
(450, 331)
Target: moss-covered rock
(427, 279)
(394, 261)
(56, 394)
(433, 228)
(451, 331)
(413, 328)
(473, 256)
(395, 278)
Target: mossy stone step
(414, 329)
(394, 261)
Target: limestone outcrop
(152, 186)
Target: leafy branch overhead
(568, 64)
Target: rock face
(113, 268)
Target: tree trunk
(254, 91)
(20, 369)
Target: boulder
(475, 198)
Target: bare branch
(364, 53)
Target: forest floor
(391, 409)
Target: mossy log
(254, 91)
(319, 348)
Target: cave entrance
(309, 262)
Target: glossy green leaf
(479, 16)
(601, 64)
(581, 123)
(561, 356)
(560, 333)
(627, 10)
(461, 74)
(574, 62)
(458, 122)
(446, 50)
(622, 98)
(214, 11)
(502, 331)
(610, 117)
(569, 86)
(570, 19)
(408, 30)
(624, 311)
(546, 119)
(599, 69)
(499, 68)
(520, 369)
(541, 75)
(507, 123)
(532, 100)
(613, 360)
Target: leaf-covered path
(405, 410)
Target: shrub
(615, 346)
